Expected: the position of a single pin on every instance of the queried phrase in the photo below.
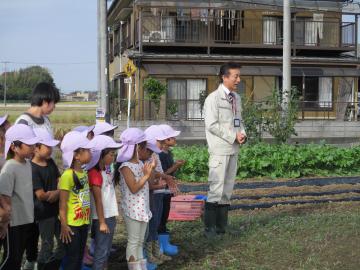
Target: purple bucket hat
(45, 137)
(168, 132)
(129, 138)
(100, 143)
(19, 132)
(72, 141)
(3, 119)
(84, 128)
(102, 127)
(152, 134)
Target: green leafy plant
(263, 160)
(154, 91)
(254, 122)
(202, 96)
(280, 120)
(172, 108)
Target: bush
(275, 161)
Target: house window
(272, 30)
(183, 98)
(316, 93)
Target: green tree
(21, 82)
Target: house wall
(257, 88)
(263, 86)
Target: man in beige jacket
(225, 132)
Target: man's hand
(240, 137)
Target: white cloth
(31, 123)
(108, 197)
(135, 206)
(136, 231)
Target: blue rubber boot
(151, 266)
(166, 247)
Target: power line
(50, 63)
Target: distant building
(80, 96)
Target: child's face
(6, 125)
(170, 141)
(90, 135)
(109, 158)
(83, 156)
(43, 151)
(144, 153)
(48, 107)
(23, 151)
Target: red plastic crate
(185, 208)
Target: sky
(60, 35)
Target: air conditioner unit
(157, 36)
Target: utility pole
(286, 55)
(5, 81)
(103, 87)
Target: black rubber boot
(41, 266)
(222, 211)
(210, 220)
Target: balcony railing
(267, 32)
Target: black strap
(77, 182)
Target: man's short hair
(225, 69)
(44, 91)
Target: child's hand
(104, 228)
(174, 187)
(153, 161)
(66, 233)
(147, 170)
(180, 162)
(53, 196)
(3, 230)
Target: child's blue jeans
(103, 242)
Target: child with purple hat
(100, 128)
(170, 167)
(74, 209)
(134, 186)
(16, 195)
(45, 176)
(152, 246)
(103, 197)
(4, 125)
(156, 132)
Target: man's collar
(227, 91)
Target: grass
(289, 237)
(77, 103)
(64, 117)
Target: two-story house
(183, 44)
